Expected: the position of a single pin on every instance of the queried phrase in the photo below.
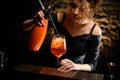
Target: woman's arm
(93, 50)
(68, 65)
(28, 24)
(90, 61)
(37, 20)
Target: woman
(83, 35)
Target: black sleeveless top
(80, 49)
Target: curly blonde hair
(94, 3)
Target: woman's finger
(41, 14)
(66, 67)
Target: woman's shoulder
(97, 30)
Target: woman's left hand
(67, 66)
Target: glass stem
(57, 62)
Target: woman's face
(79, 11)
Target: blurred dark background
(12, 15)
(14, 12)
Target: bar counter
(32, 72)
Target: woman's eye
(73, 5)
(81, 9)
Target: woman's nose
(76, 11)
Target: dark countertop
(44, 73)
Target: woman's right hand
(39, 17)
(37, 20)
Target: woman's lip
(75, 18)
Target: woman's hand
(37, 20)
(68, 65)
(39, 17)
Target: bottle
(37, 36)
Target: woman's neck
(75, 28)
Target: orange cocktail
(58, 45)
